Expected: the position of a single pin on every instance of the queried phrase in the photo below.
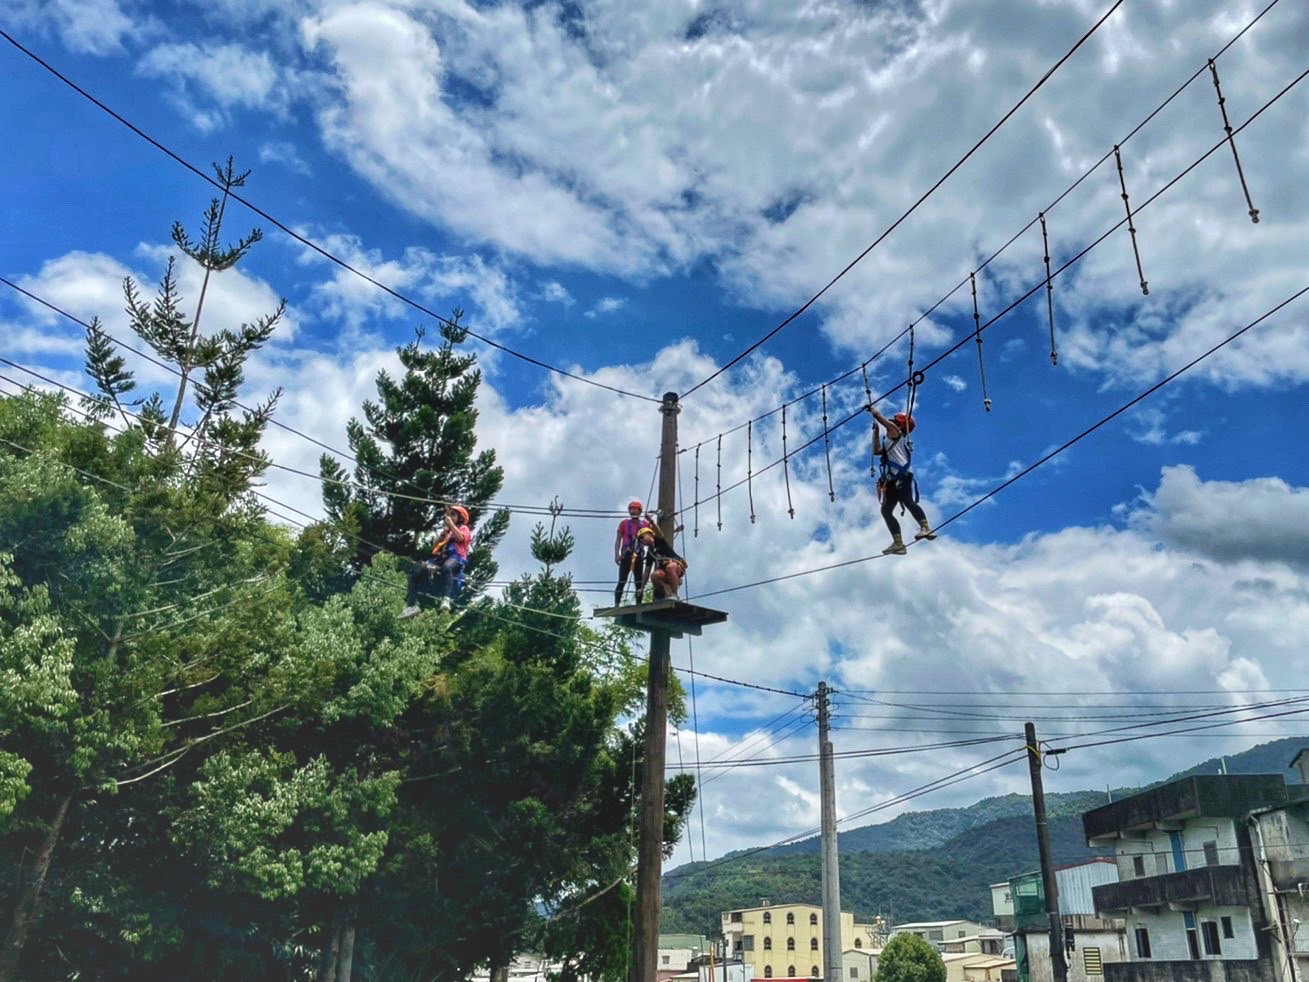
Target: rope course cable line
(964, 281)
(1041, 461)
(912, 208)
(1032, 291)
(309, 243)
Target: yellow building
(785, 941)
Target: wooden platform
(672, 617)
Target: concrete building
(1089, 941)
(859, 964)
(938, 932)
(1199, 890)
(1002, 903)
(677, 953)
(780, 941)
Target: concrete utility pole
(650, 844)
(831, 869)
(1058, 963)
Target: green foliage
(908, 958)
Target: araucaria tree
(416, 449)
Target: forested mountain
(920, 865)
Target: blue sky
(637, 194)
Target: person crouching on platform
(665, 567)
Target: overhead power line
(914, 207)
(309, 243)
(1031, 467)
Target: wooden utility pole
(650, 844)
(1050, 887)
(831, 879)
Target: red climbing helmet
(634, 505)
(906, 423)
(461, 512)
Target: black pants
(435, 579)
(900, 492)
(630, 562)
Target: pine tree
(414, 451)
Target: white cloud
(286, 154)
(231, 75)
(606, 305)
(418, 273)
(955, 382)
(554, 292)
(93, 27)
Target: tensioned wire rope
(815, 390)
(912, 208)
(306, 241)
(1016, 303)
(1041, 461)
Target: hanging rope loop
(1231, 142)
(977, 336)
(786, 467)
(1049, 290)
(827, 448)
(749, 466)
(1127, 205)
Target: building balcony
(1204, 886)
(1168, 806)
(1209, 970)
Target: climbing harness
(1231, 142)
(1049, 290)
(1127, 205)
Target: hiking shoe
(896, 548)
(409, 612)
(924, 533)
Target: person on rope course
(627, 551)
(895, 484)
(665, 568)
(444, 570)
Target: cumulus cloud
(606, 305)
(93, 27)
(1263, 518)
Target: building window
(790, 944)
(747, 942)
(790, 918)
(1211, 853)
(1209, 933)
(813, 971)
(1138, 865)
(768, 971)
(768, 944)
(1227, 927)
(858, 942)
(768, 917)
(813, 919)
(790, 971)
(666, 958)
(1092, 962)
(813, 944)
(1142, 942)
(854, 971)
(1193, 943)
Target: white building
(1192, 886)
